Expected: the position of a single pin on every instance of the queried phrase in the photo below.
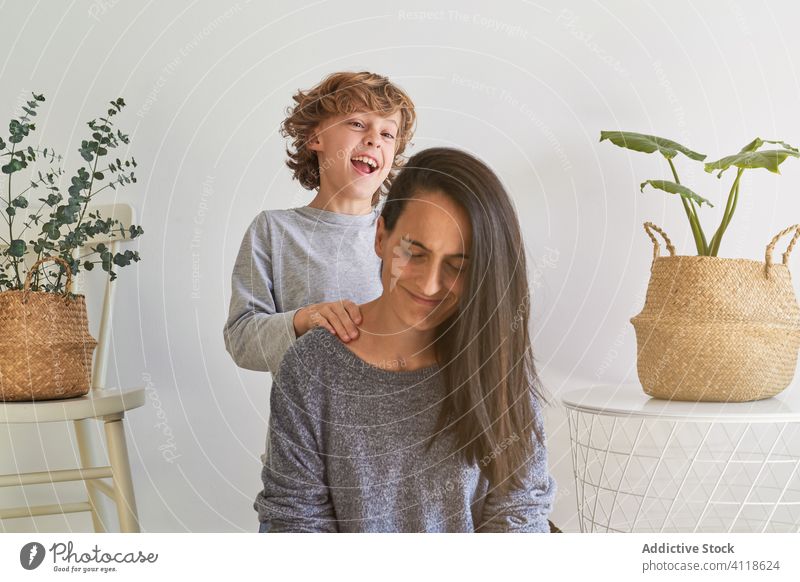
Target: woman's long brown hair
(484, 349)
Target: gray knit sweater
(289, 259)
(345, 453)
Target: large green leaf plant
(749, 157)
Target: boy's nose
(371, 140)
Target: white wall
(527, 86)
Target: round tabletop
(630, 400)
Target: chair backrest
(125, 214)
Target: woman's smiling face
(425, 259)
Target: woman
(430, 420)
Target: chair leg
(84, 448)
(121, 469)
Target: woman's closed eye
(455, 268)
(449, 266)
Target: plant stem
(691, 214)
(733, 196)
(692, 223)
(9, 189)
(41, 181)
(100, 190)
(10, 221)
(87, 255)
(28, 224)
(702, 234)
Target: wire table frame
(648, 465)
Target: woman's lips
(424, 302)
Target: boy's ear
(314, 142)
(380, 236)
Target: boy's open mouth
(364, 164)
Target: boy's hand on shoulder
(338, 317)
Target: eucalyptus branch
(54, 239)
(89, 254)
(85, 204)
(96, 192)
(14, 260)
(28, 224)
(41, 180)
(89, 192)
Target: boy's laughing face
(355, 152)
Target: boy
(309, 266)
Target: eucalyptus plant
(749, 157)
(65, 225)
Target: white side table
(648, 465)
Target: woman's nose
(430, 281)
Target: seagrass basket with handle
(45, 345)
(717, 329)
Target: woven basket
(45, 346)
(718, 330)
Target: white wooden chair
(108, 405)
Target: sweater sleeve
(295, 497)
(256, 335)
(525, 509)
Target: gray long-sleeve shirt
(289, 259)
(345, 453)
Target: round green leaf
(17, 248)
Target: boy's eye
(389, 135)
(358, 123)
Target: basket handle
(656, 248)
(774, 241)
(67, 288)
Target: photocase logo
(31, 555)
(401, 256)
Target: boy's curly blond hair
(344, 93)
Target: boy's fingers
(317, 320)
(340, 329)
(346, 320)
(334, 320)
(354, 311)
